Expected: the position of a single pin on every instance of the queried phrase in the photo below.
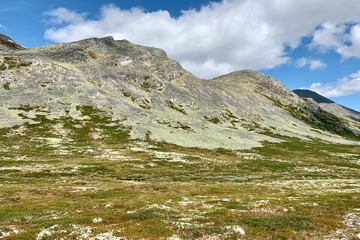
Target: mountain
(106, 139)
(154, 96)
(7, 43)
(352, 116)
(304, 93)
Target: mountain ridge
(351, 116)
(156, 97)
(319, 98)
(311, 94)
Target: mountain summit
(145, 91)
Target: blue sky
(305, 44)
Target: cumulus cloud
(342, 87)
(328, 36)
(314, 64)
(218, 38)
(342, 38)
(352, 49)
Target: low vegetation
(81, 178)
(175, 106)
(10, 62)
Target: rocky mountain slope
(140, 88)
(351, 116)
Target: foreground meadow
(62, 179)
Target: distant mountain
(330, 105)
(143, 90)
(304, 93)
(7, 43)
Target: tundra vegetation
(86, 179)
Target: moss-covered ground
(84, 178)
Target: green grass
(280, 223)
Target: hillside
(106, 139)
(155, 96)
(351, 116)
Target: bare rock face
(154, 96)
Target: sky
(310, 44)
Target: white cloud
(317, 64)
(329, 36)
(355, 75)
(343, 38)
(3, 27)
(352, 49)
(64, 16)
(314, 64)
(342, 87)
(218, 38)
(211, 67)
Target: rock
(236, 230)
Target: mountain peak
(97, 47)
(7, 43)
